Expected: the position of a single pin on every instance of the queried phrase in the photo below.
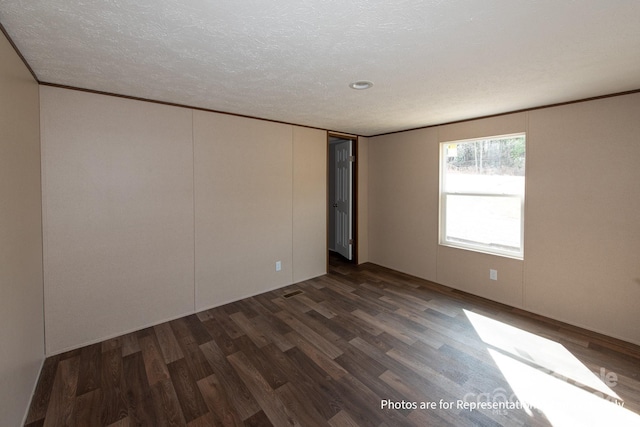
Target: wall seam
(44, 326)
(438, 206)
(193, 189)
(526, 203)
(43, 204)
(293, 201)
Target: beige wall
(260, 198)
(403, 201)
(363, 200)
(582, 234)
(582, 231)
(244, 187)
(309, 203)
(21, 295)
(118, 215)
(152, 212)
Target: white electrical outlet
(493, 274)
(278, 265)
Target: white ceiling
(431, 61)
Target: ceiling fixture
(361, 85)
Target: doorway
(341, 196)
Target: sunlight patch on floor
(545, 353)
(563, 403)
(548, 378)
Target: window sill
(481, 250)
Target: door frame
(354, 193)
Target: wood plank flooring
(330, 352)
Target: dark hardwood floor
(360, 346)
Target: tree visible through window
(482, 194)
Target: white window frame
(477, 247)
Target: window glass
(482, 194)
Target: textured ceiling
(431, 61)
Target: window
(482, 194)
